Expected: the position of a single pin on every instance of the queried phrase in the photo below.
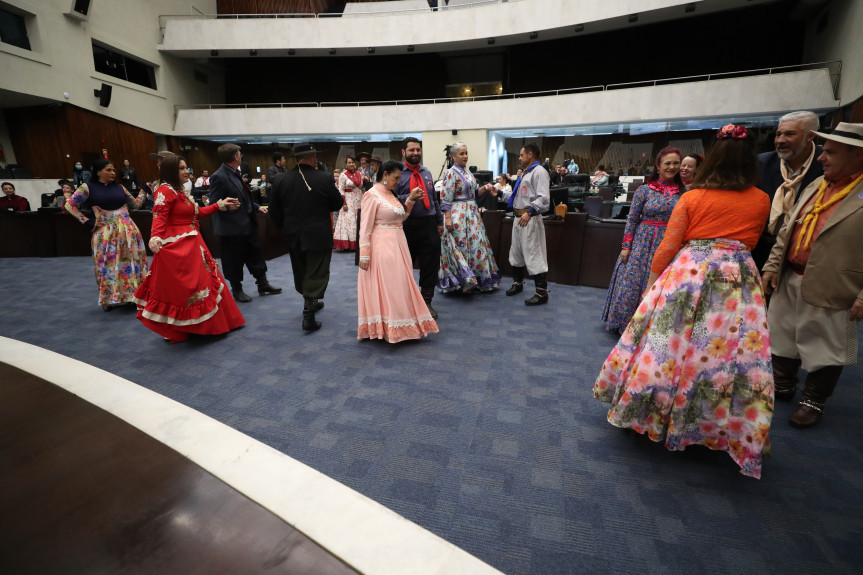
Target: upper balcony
(467, 24)
(759, 95)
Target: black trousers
(311, 272)
(238, 251)
(424, 244)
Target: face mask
(78, 166)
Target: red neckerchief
(417, 180)
(663, 187)
(356, 177)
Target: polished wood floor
(81, 491)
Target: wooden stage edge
(100, 475)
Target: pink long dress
(389, 303)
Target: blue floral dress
(466, 259)
(651, 208)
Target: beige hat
(159, 155)
(377, 158)
(846, 133)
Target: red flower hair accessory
(732, 131)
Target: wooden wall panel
(42, 136)
(279, 6)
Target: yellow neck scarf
(811, 218)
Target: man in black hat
(300, 204)
(238, 229)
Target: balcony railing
(834, 69)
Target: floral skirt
(466, 259)
(693, 366)
(345, 230)
(119, 256)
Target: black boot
(318, 304)
(427, 297)
(819, 386)
(238, 293)
(309, 323)
(541, 295)
(264, 286)
(785, 377)
(517, 281)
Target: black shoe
(264, 287)
(517, 287)
(428, 299)
(309, 323)
(242, 296)
(318, 304)
(537, 299)
(784, 394)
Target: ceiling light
(410, 48)
(633, 18)
(370, 50)
(291, 52)
(491, 40)
(534, 35)
(214, 53)
(332, 51)
(579, 27)
(253, 52)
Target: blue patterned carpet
(486, 433)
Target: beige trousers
(528, 246)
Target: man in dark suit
(300, 204)
(238, 229)
(785, 172)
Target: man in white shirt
(204, 180)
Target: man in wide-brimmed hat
(300, 204)
(815, 273)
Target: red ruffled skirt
(186, 293)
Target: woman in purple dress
(651, 208)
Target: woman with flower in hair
(350, 185)
(693, 366)
(651, 207)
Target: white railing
(834, 68)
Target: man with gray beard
(785, 172)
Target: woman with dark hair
(351, 187)
(652, 204)
(693, 366)
(118, 248)
(389, 303)
(689, 167)
(63, 194)
(467, 262)
(185, 291)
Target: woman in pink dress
(389, 303)
(185, 291)
(351, 188)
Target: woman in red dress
(185, 291)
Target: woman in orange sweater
(693, 366)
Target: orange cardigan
(709, 214)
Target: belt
(654, 223)
(519, 212)
(797, 268)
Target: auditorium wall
(836, 33)
(434, 143)
(61, 60)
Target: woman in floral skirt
(351, 187)
(693, 366)
(467, 262)
(645, 227)
(118, 248)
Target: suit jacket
(768, 182)
(226, 183)
(834, 272)
(304, 215)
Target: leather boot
(427, 297)
(819, 386)
(785, 377)
(238, 293)
(517, 281)
(309, 323)
(264, 286)
(318, 304)
(541, 295)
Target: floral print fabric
(693, 366)
(629, 278)
(467, 260)
(345, 233)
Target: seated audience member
(503, 188)
(80, 175)
(600, 177)
(129, 176)
(66, 190)
(12, 202)
(815, 273)
(203, 181)
(557, 175)
(263, 190)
